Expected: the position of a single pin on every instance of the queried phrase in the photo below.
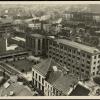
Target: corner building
(79, 59)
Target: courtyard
(23, 65)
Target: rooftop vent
(6, 85)
(55, 68)
(11, 93)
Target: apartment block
(79, 59)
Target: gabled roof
(80, 91)
(64, 82)
(43, 67)
(56, 78)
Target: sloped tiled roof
(43, 67)
(80, 91)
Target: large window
(94, 57)
(42, 81)
(33, 73)
(39, 44)
(36, 75)
(39, 78)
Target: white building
(51, 79)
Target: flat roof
(78, 45)
(37, 35)
(19, 39)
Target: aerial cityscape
(49, 50)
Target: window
(78, 53)
(78, 58)
(43, 88)
(36, 75)
(97, 72)
(39, 86)
(88, 56)
(39, 78)
(93, 67)
(36, 83)
(94, 57)
(82, 65)
(73, 56)
(93, 73)
(42, 81)
(82, 70)
(73, 66)
(87, 67)
(39, 42)
(69, 55)
(83, 55)
(98, 66)
(68, 64)
(33, 73)
(88, 62)
(48, 86)
(77, 73)
(69, 60)
(53, 91)
(94, 62)
(87, 72)
(74, 51)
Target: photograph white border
(59, 3)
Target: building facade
(50, 81)
(36, 43)
(80, 59)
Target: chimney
(55, 68)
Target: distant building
(34, 23)
(17, 40)
(80, 59)
(52, 80)
(36, 43)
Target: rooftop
(55, 76)
(80, 91)
(60, 79)
(15, 88)
(37, 35)
(78, 45)
(19, 39)
(43, 67)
